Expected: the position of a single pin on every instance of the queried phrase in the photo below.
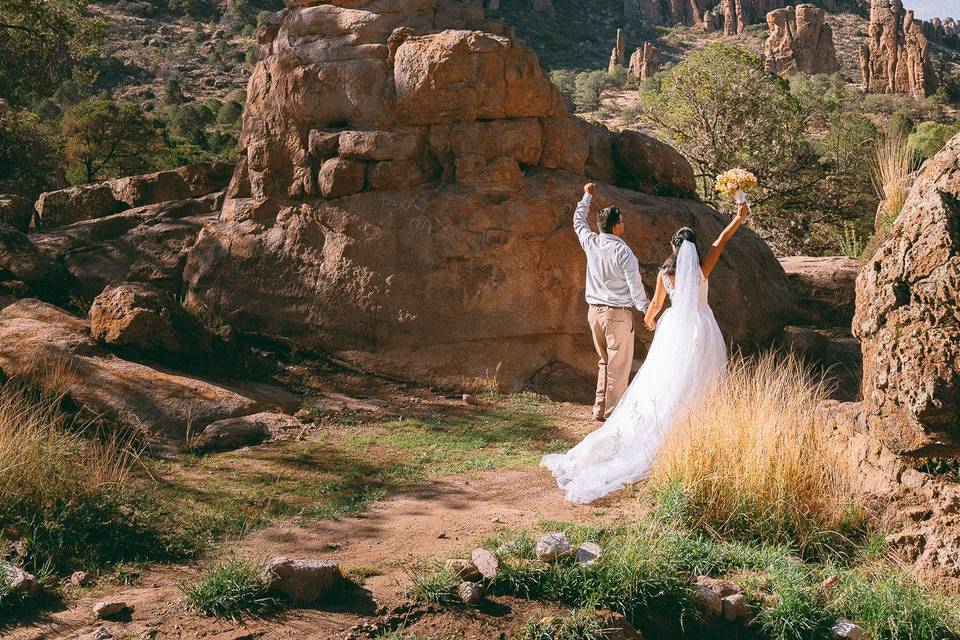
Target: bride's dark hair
(669, 265)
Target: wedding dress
(686, 360)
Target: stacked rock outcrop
(732, 16)
(800, 40)
(896, 58)
(618, 54)
(645, 62)
(404, 197)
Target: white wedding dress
(686, 360)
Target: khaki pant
(612, 329)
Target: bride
(685, 361)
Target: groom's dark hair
(608, 218)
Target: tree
(27, 150)
(42, 42)
(588, 87)
(722, 110)
(104, 139)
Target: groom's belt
(610, 306)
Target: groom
(614, 289)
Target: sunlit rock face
(896, 58)
(404, 198)
(800, 40)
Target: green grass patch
(578, 625)
(648, 569)
(233, 589)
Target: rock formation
(403, 199)
(897, 57)
(908, 318)
(940, 30)
(645, 62)
(737, 14)
(800, 40)
(618, 54)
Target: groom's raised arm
(580, 224)
(631, 271)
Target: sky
(926, 9)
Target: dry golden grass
(891, 165)
(750, 461)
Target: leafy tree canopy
(105, 139)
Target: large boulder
(25, 270)
(896, 58)
(90, 201)
(145, 244)
(908, 317)
(824, 288)
(139, 317)
(404, 199)
(15, 211)
(45, 343)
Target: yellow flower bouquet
(735, 183)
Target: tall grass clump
(66, 492)
(233, 589)
(892, 162)
(749, 462)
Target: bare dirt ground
(441, 516)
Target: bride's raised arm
(710, 261)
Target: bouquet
(735, 183)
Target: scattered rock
(722, 588)
(463, 569)
(553, 546)
(18, 580)
(470, 592)
(110, 609)
(141, 317)
(100, 633)
(735, 607)
(233, 433)
(846, 630)
(486, 563)
(469, 398)
(304, 581)
(588, 553)
(711, 602)
(442, 535)
(21, 262)
(645, 62)
(80, 579)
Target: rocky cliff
(800, 40)
(404, 196)
(896, 58)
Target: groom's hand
(590, 188)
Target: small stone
(722, 588)
(463, 569)
(305, 581)
(588, 553)
(442, 535)
(496, 520)
(829, 582)
(469, 398)
(846, 630)
(18, 580)
(735, 607)
(109, 608)
(486, 563)
(470, 592)
(100, 633)
(711, 602)
(553, 546)
(79, 578)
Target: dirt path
(438, 519)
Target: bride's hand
(650, 324)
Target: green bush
(588, 87)
(233, 589)
(28, 149)
(229, 113)
(579, 625)
(929, 137)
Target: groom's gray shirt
(613, 273)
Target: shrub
(579, 625)
(434, 584)
(229, 113)
(929, 137)
(68, 497)
(892, 163)
(28, 149)
(233, 589)
(588, 87)
(749, 462)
